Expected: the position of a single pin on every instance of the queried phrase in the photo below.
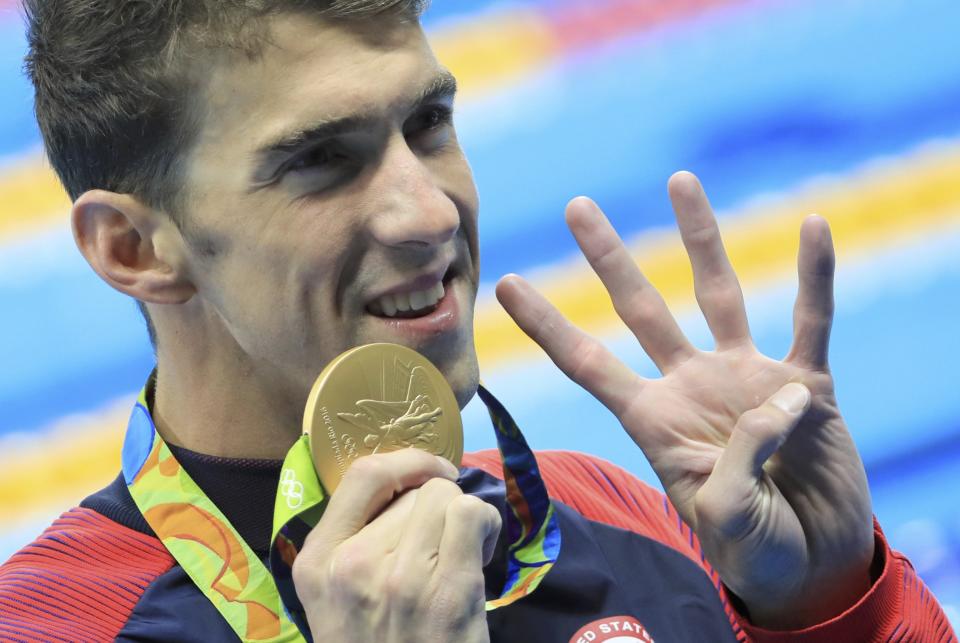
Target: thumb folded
(759, 432)
(728, 499)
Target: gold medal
(379, 398)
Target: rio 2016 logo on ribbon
(291, 488)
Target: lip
(443, 318)
(419, 283)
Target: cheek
(272, 295)
(461, 181)
(259, 298)
(455, 178)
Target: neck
(204, 405)
(243, 489)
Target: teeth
(389, 305)
(418, 299)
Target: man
(277, 182)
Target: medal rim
(310, 416)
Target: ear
(133, 247)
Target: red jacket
(629, 567)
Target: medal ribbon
(204, 543)
(264, 607)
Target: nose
(412, 209)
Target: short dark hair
(112, 92)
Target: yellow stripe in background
(868, 211)
(489, 51)
(875, 208)
(31, 197)
(56, 468)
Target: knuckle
(304, 578)
(458, 593)
(719, 294)
(439, 493)
(350, 569)
(702, 235)
(547, 323)
(468, 509)
(367, 468)
(815, 320)
(472, 586)
(494, 518)
(401, 591)
(438, 487)
(608, 257)
(467, 505)
(584, 367)
(638, 309)
(416, 457)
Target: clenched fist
(398, 555)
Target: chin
(462, 374)
(465, 386)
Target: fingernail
(792, 398)
(452, 470)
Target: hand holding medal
(372, 557)
(382, 563)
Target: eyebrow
(440, 87)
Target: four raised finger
(813, 311)
(582, 358)
(715, 284)
(636, 301)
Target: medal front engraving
(389, 425)
(332, 435)
(378, 398)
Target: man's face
(330, 204)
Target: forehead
(312, 69)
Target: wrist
(801, 613)
(817, 603)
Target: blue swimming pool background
(756, 98)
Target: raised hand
(398, 555)
(752, 451)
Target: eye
(432, 119)
(436, 116)
(316, 158)
(323, 166)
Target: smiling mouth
(411, 304)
